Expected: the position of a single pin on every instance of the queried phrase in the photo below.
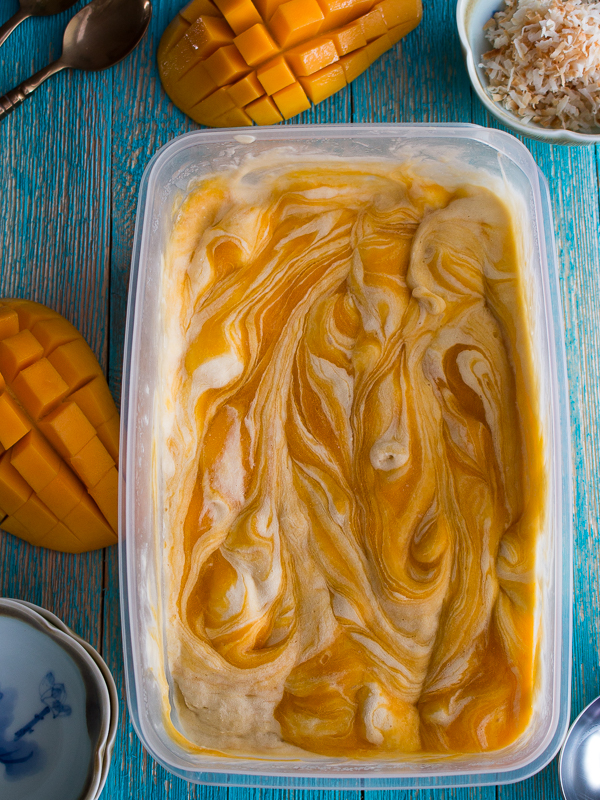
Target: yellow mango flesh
(209, 57)
(59, 430)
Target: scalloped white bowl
(65, 754)
(471, 16)
(106, 753)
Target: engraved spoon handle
(15, 97)
(8, 27)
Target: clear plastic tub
(166, 178)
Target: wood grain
(72, 158)
(54, 245)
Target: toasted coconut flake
(544, 64)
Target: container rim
(517, 152)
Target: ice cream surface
(351, 463)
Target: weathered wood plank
(143, 119)
(421, 79)
(572, 176)
(54, 244)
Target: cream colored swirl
(352, 464)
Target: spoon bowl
(45, 8)
(579, 764)
(104, 32)
(33, 8)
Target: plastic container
(166, 178)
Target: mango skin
(58, 433)
(232, 63)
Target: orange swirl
(352, 467)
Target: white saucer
(110, 683)
(55, 711)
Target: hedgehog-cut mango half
(229, 63)
(59, 434)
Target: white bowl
(471, 16)
(110, 685)
(55, 711)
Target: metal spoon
(33, 8)
(98, 36)
(579, 764)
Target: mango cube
(226, 65)
(213, 106)
(246, 90)
(399, 12)
(174, 33)
(40, 388)
(104, 494)
(35, 460)
(14, 490)
(57, 420)
(36, 516)
(92, 462)
(256, 44)
(63, 493)
(88, 524)
(373, 24)
(291, 101)
(108, 433)
(53, 332)
(67, 429)
(295, 21)
(199, 8)
(61, 538)
(75, 363)
(18, 352)
(349, 38)
(400, 31)
(312, 56)
(240, 14)
(95, 400)
(324, 83)
(264, 111)
(194, 86)
(378, 47)
(267, 8)
(13, 422)
(235, 118)
(275, 75)
(12, 525)
(29, 313)
(200, 41)
(9, 322)
(355, 63)
(339, 12)
(207, 34)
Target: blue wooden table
(71, 159)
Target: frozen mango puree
(352, 464)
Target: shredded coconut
(545, 62)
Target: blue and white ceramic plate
(54, 711)
(110, 684)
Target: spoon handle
(15, 97)
(8, 27)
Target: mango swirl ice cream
(351, 464)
